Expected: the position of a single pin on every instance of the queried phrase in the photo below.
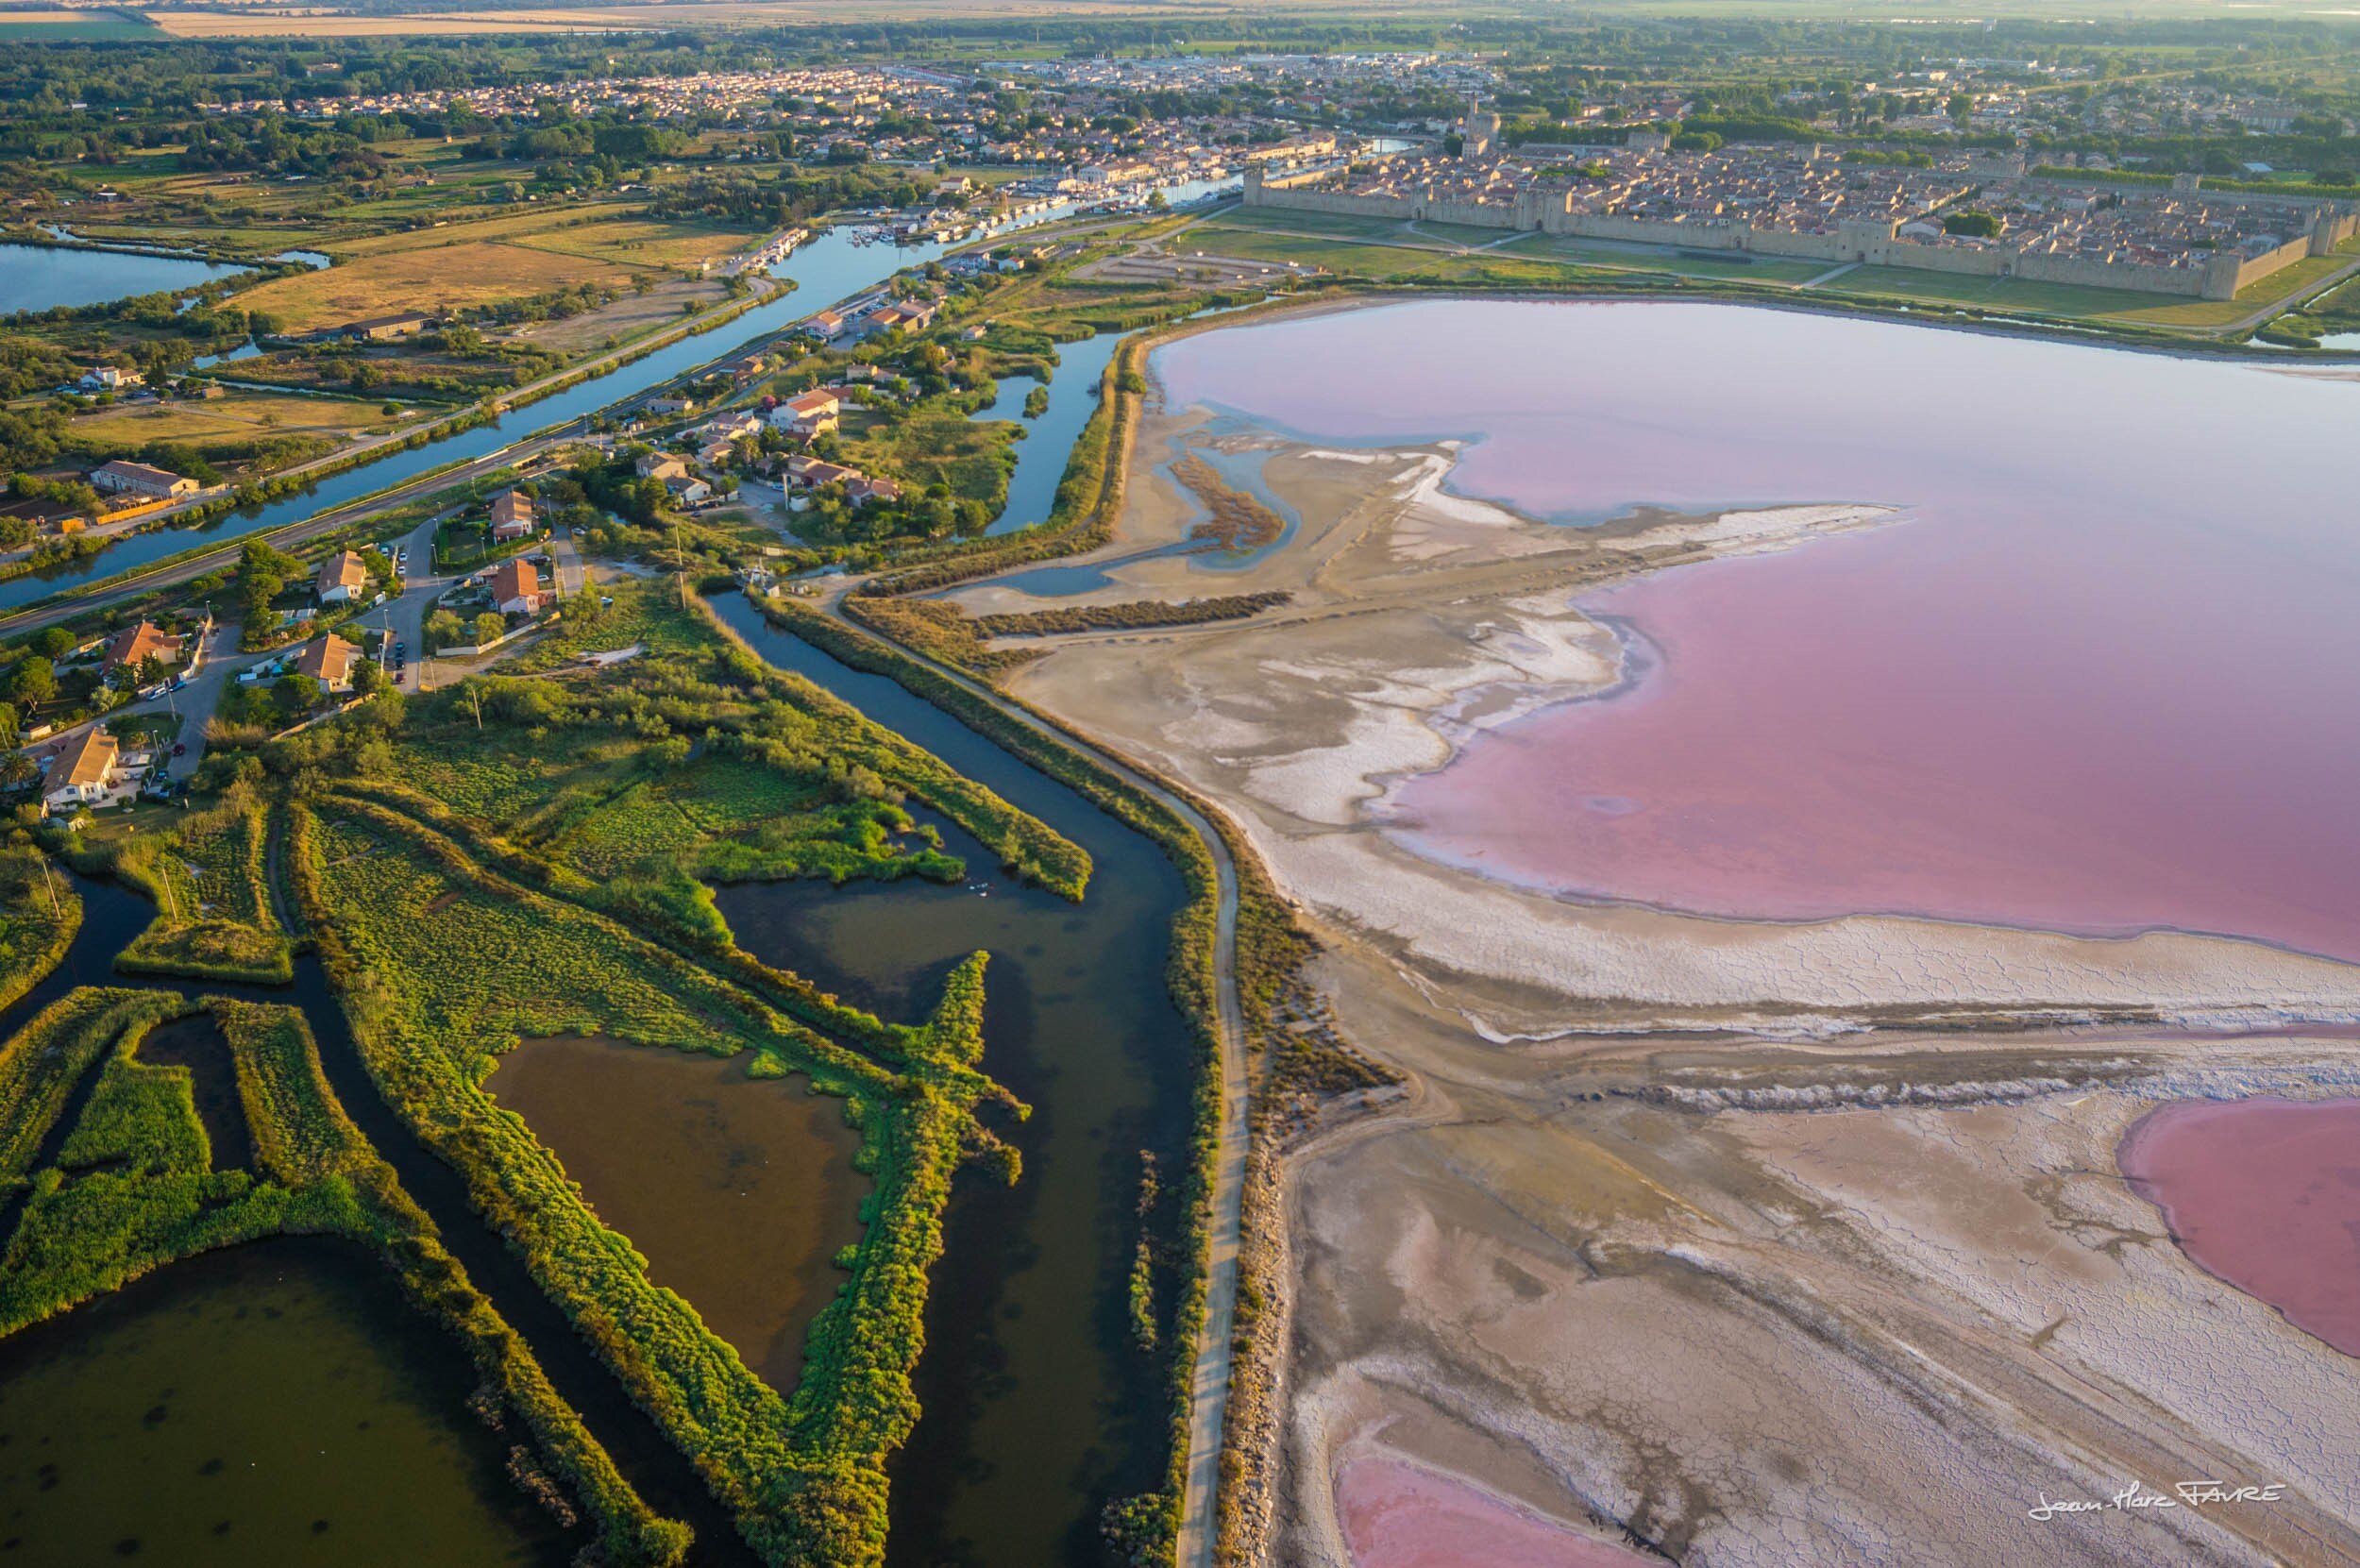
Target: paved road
(112, 592)
(1208, 1399)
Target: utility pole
(56, 910)
(474, 698)
(679, 575)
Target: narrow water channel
(1040, 457)
(1037, 1407)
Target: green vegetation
(40, 1066)
(213, 919)
(1133, 614)
(403, 916)
(40, 911)
(525, 856)
(1237, 521)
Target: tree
(488, 627)
(262, 575)
(34, 682)
(444, 629)
(368, 678)
(17, 770)
(1960, 109)
(55, 642)
(295, 695)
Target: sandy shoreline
(1422, 618)
(1751, 1242)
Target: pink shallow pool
(2105, 679)
(1399, 1516)
(2266, 1194)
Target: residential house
(671, 405)
(511, 516)
(826, 325)
(122, 477)
(660, 465)
(84, 771)
(343, 578)
(328, 661)
(107, 378)
(812, 473)
(688, 490)
(730, 427)
(807, 414)
(713, 454)
(134, 646)
(386, 328)
(860, 490)
(516, 588)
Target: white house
(84, 771)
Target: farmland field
(452, 276)
(235, 417)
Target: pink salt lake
(1396, 1515)
(2263, 1193)
(2103, 677)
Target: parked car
(180, 749)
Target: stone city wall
(1873, 243)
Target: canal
(838, 265)
(1038, 1408)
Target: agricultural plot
(620, 320)
(236, 418)
(438, 276)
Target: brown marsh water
(740, 1192)
(276, 1403)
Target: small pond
(739, 1192)
(274, 1403)
(40, 277)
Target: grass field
(234, 416)
(262, 24)
(1640, 259)
(63, 26)
(439, 276)
(937, 446)
(1364, 256)
(622, 319)
(641, 242)
(1378, 248)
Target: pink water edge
(2104, 677)
(2263, 1193)
(1397, 1515)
